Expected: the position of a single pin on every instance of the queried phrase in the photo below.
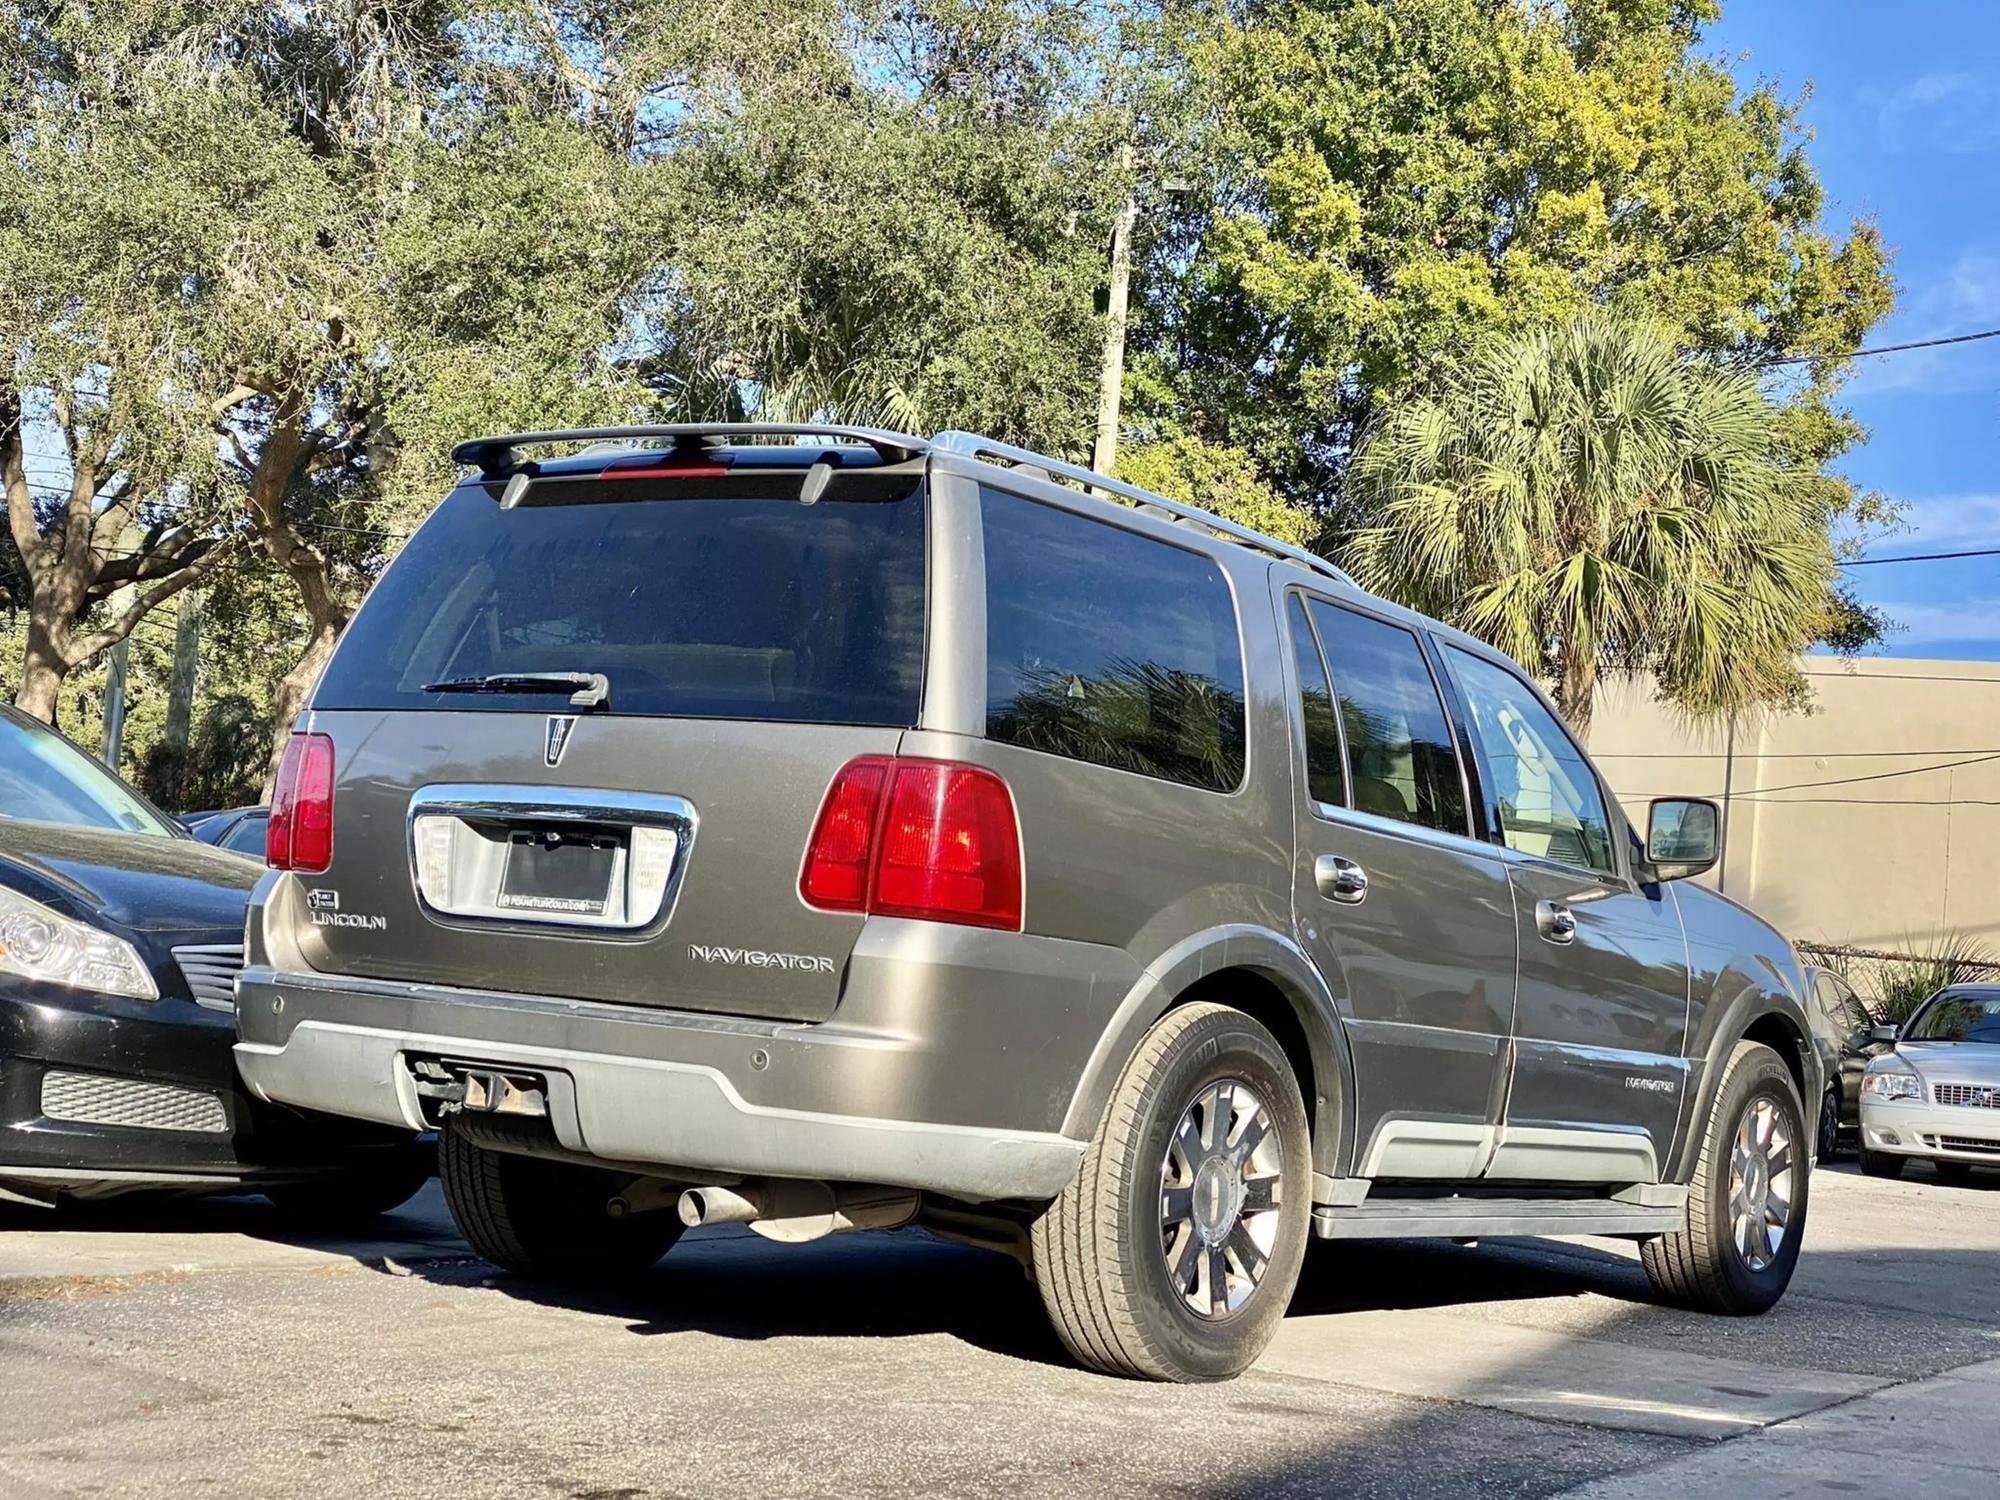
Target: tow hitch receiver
(481, 1089)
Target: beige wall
(1884, 863)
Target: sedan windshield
(46, 779)
(1958, 1018)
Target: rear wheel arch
(1270, 979)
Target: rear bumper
(1932, 1131)
(667, 1089)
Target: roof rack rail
(498, 456)
(972, 445)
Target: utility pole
(119, 666)
(1728, 792)
(180, 685)
(1111, 382)
(114, 702)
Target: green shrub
(1894, 988)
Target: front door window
(1547, 800)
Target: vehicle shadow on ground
(734, 1284)
(419, 1222)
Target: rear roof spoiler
(500, 456)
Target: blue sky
(1905, 111)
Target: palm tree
(1591, 500)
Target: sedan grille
(1968, 1095)
(210, 970)
(1962, 1143)
(95, 1099)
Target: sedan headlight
(36, 943)
(1896, 1085)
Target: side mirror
(1884, 1033)
(1683, 837)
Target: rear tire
(1829, 1125)
(352, 1197)
(1750, 1183)
(1158, 1261)
(544, 1218)
(1882, 1164)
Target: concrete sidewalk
(1937, 1438)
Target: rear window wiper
(586, 689)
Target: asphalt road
(192, 1350)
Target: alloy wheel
(1220, 1187)
(1762, 1161)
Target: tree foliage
(262, 262)
(1390, 183)
(1590, 500)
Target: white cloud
(1928, 624)
(1955, 112)
(1964, 299)
(1946, 522)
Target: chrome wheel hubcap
(1762, 1168)
(1219, 1198)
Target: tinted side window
(1843, 1009)
(1548, 797)
(1400, 755)
(1106, 646)
(1324, 778)
(248, 836)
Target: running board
(1489, 1218)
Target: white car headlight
(36, 943)
(1892, 1085)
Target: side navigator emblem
(560, 726)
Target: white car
(1937, 1095)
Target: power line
(1777, 754)
(1908, 677)
(1735, 797)
(1868, 801)
(1809, 359)
(1947, 765)
(1762, 793)
(1876, 562)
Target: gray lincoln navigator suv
(825, 829)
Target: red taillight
(300, 833)
(950, 850)
(932, 839)
(835, 874)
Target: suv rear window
(1106, 646)
(728, 608)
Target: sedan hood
(1952, 1062)
(139, 882)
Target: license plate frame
(564, 874)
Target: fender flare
(1271, 956)
(1749, 1007)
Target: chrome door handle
(1555, 922)
(1340, 879)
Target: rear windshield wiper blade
(586, 689)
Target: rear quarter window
(1109, 647)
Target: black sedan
(120, 938)
(1846, 1037)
